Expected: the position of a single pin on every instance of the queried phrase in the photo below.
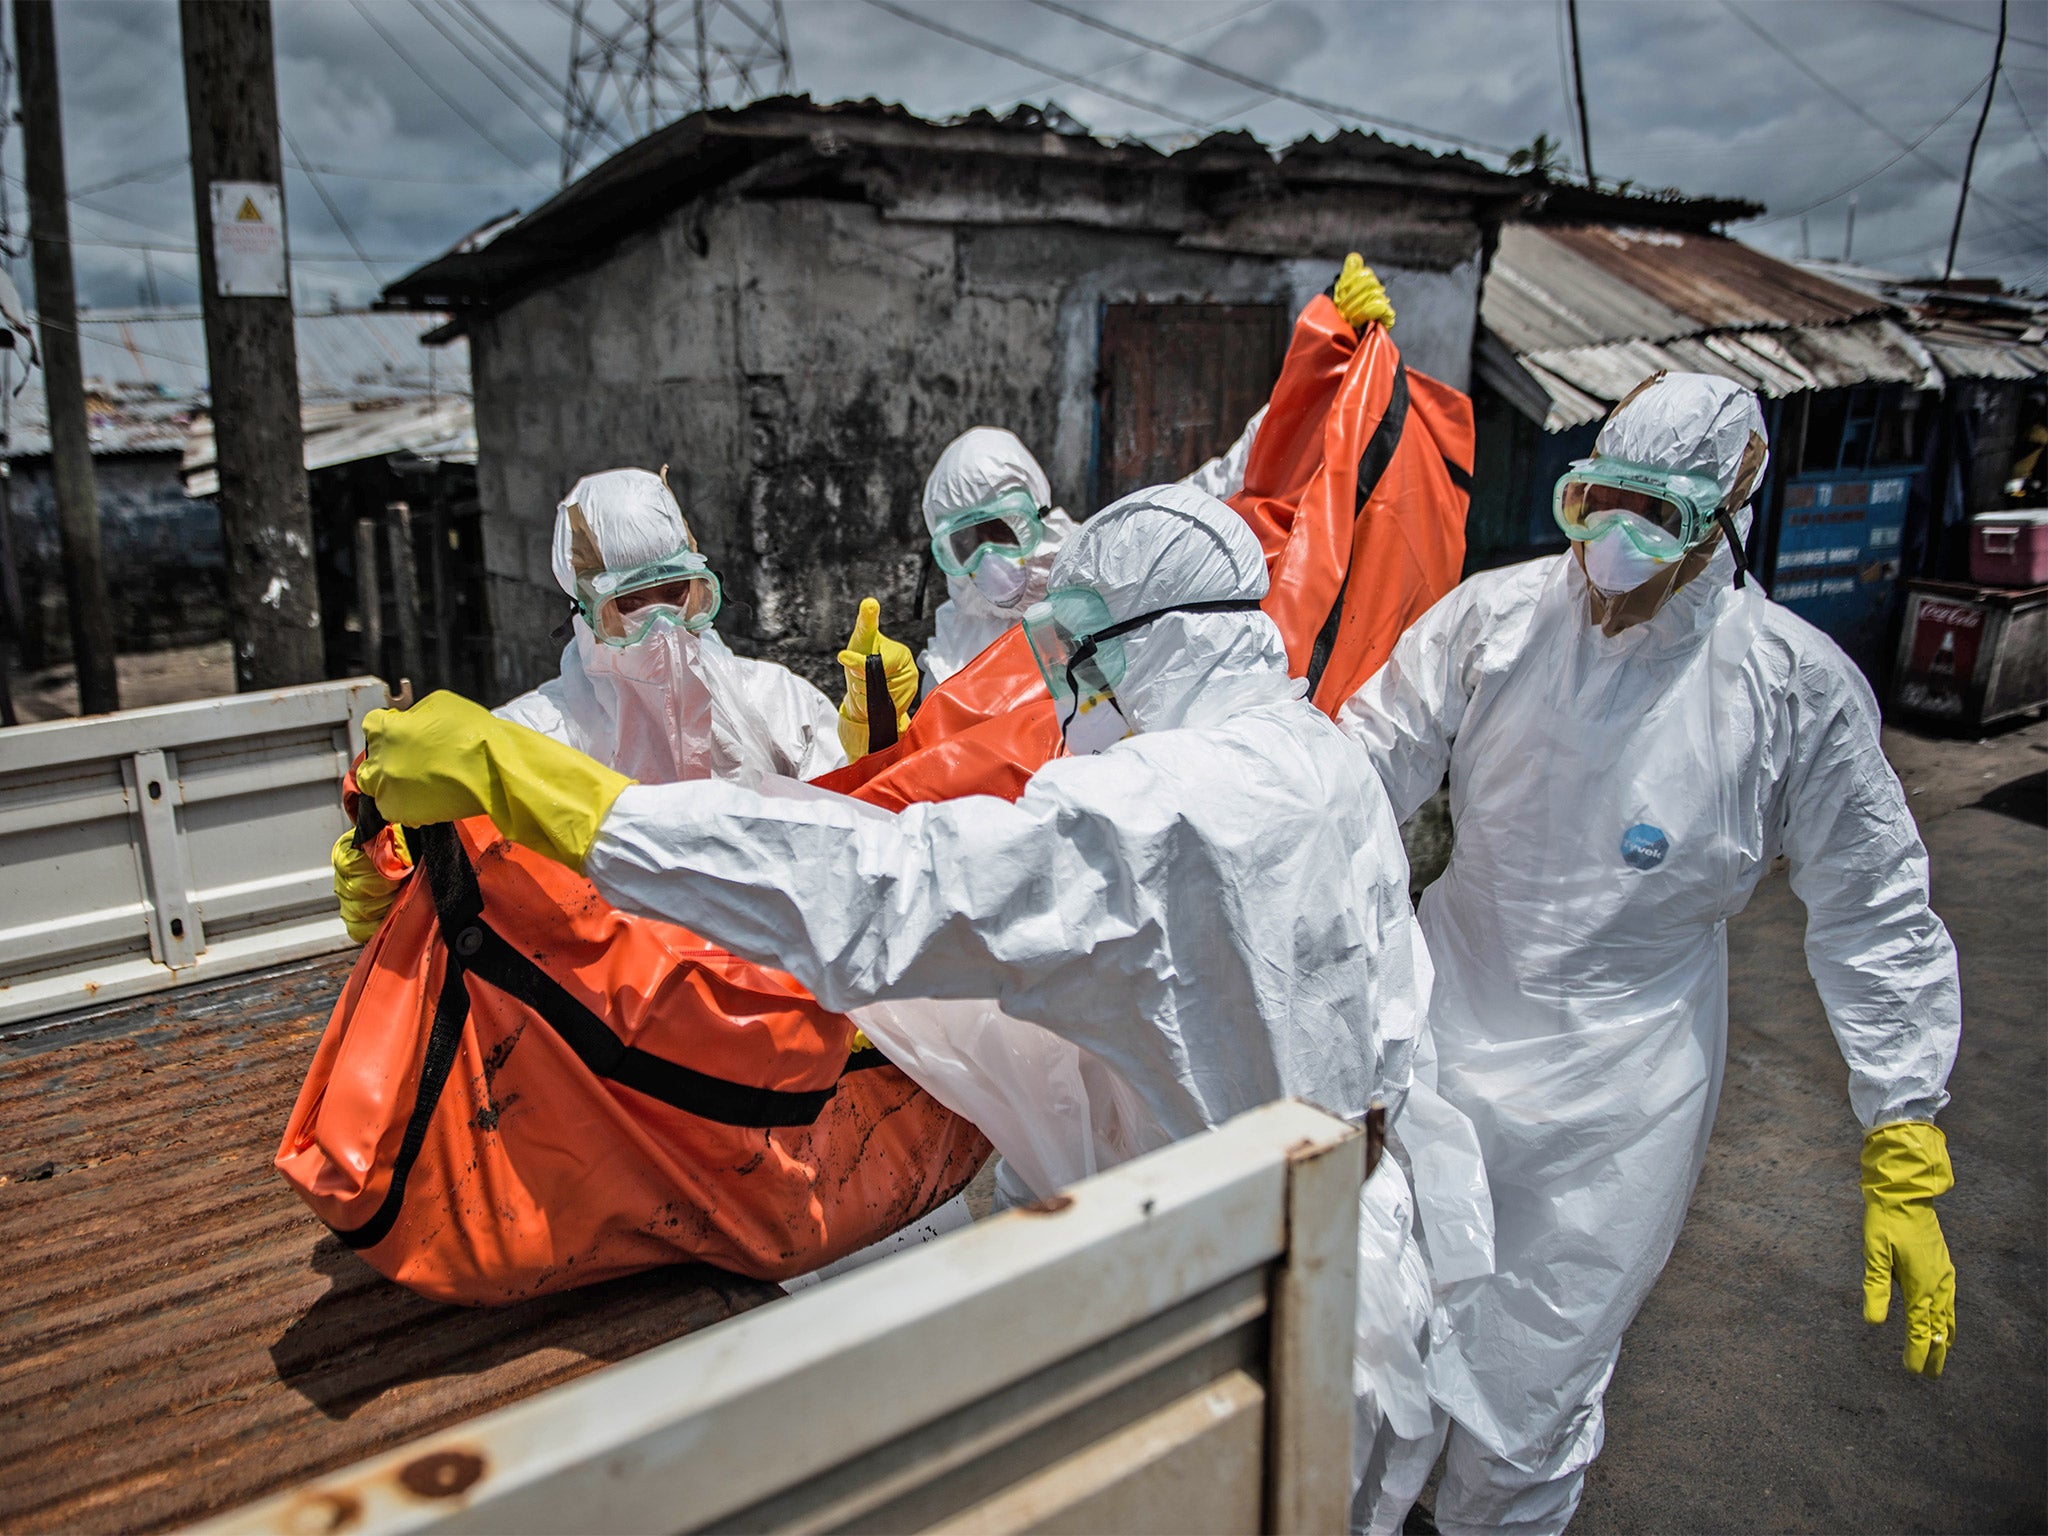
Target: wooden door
(1176, 384)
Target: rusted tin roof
(1588, 312)
(178, 1334)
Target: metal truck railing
(1166, 1347)
(151, 847)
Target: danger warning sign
(248, 240)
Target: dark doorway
(1175, 386)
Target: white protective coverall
(980, 463)
(1214, 910)
(1615, 801)
(675, 705)
(983, 462)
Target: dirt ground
(153, 677)
(1751, 1395)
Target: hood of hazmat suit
(979, 464)
(1679, 425)
(1616, 797)
(675, 704)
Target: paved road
(1751, 1396)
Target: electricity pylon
(635, 65)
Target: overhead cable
(1955, 21)
(507, 47)
(333, 208)
(446, 100)
(2026, 121)
(1127, 60)
(1314, 104)
(1852, 103)
(1939, 123)
(489, 74)
(903, 13)
(147, 173)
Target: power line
(1936, 127)
(1313, 103)
(1954, 21)
(448, 101)
(333, 208)
(1127, 60)
(478, 65)
(431, 181)
(1113, 94)
(2025, 121)
(1849, 101)
(1970, 160)
(147, 173)
(522, 65)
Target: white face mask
(1615, 565)
(1099, 726)
(1000, 580)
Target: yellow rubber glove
(365, 895)
(1359, 295)
(1905, 1166)
(897, 664)
(446, 758)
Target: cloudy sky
(1803, 105)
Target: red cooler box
(1971, 656)
(2009, 549)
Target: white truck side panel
(1166, 1347)
(151, 847)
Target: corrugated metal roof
(145, 368)
(1583, 382)
(341, 432)
(1968, 360)
(1717, 283)
(179, 1334)
(1591, 311)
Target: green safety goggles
(623, 607)
(1662, 512)
(1079, 647)
(1008, 524)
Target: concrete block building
(795, 307)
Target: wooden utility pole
(252, 355)
(1955, 234)
(1579, 90)
(49, 230)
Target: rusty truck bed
(178, 1333)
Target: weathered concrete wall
(800, 363)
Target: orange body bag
(1357, 486)
(522, 1089)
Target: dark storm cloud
(1679, 94)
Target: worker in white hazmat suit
(1632, 737)
(1214, 906)
(995, 534)
(646, 685)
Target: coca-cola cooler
(1971, 656)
